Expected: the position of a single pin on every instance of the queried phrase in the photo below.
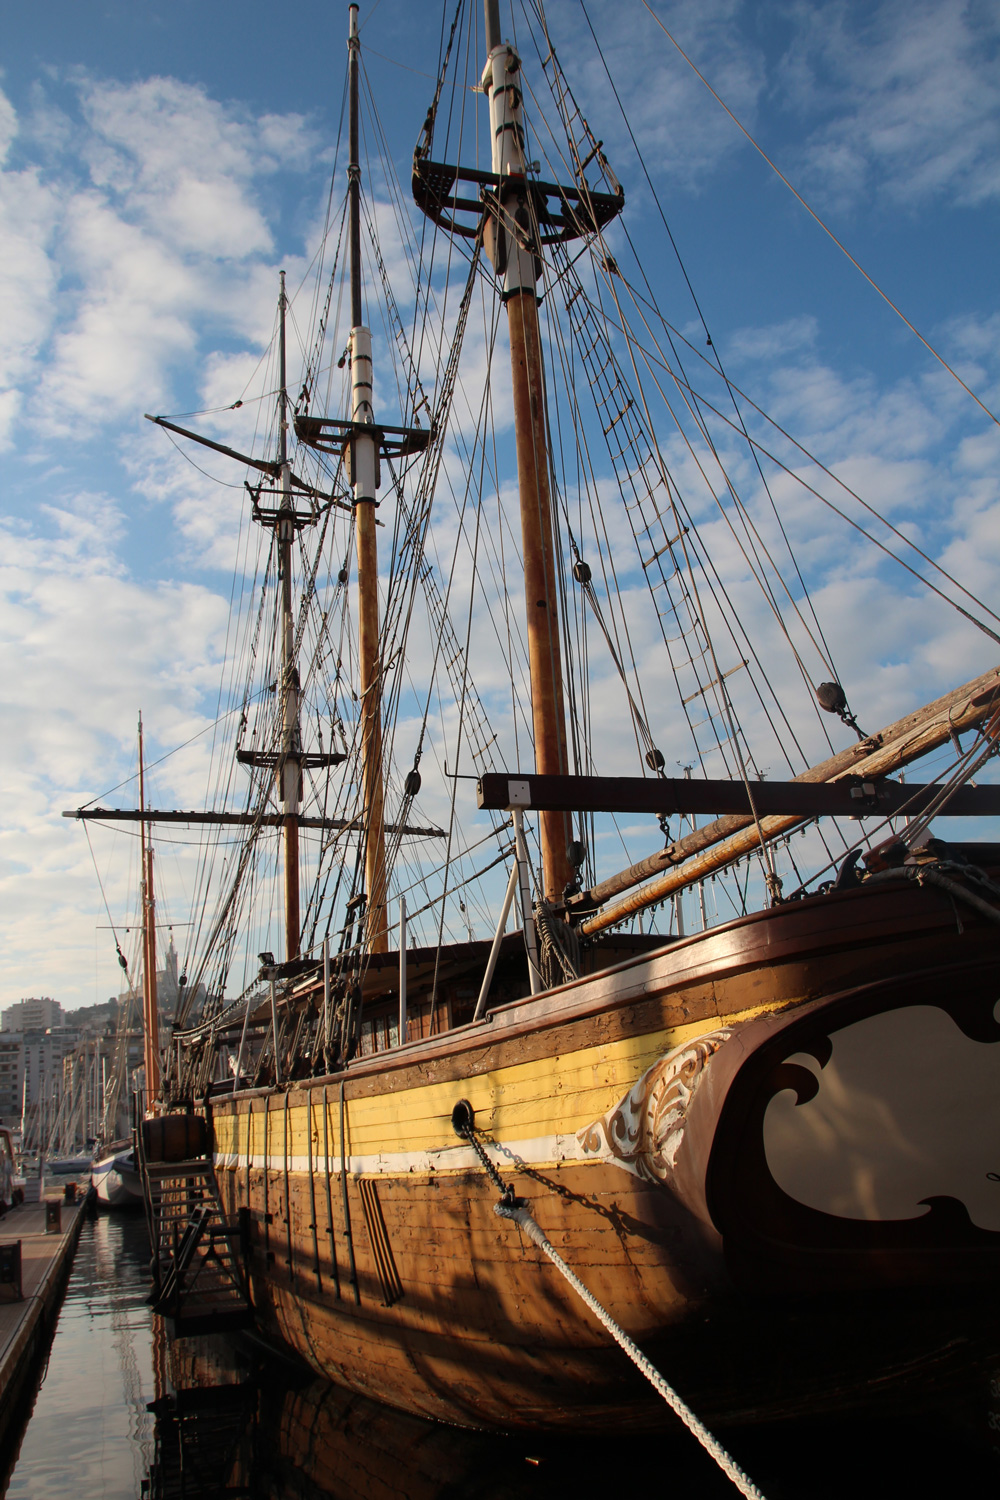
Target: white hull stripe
(546, 1150)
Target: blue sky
(161, 161)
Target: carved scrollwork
(643, 1132)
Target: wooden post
(540, 594)
(527, 917)
(274, 1034)
(329, 1196)
(402, 971)
(326, 999)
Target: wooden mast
(289, 761)
(363, 476)
(507, 236)
(150, 1011)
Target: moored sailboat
(724, 1131)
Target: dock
(27, 1321)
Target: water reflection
(90, 1433)
(269, 1431)
(125, 1413)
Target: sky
(160, 162)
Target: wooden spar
(668, 795)
(726, 839)
(363, 474)
(150, 1011)
(236, 820)
(507, 234)
(263, 465)
(290, 769)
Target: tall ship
(548, 873)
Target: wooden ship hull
(767, 1149)
(647, 1115)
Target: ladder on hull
(198, 1280)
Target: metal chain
(468, 1133)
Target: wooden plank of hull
(553, 1368)
(485, 1331)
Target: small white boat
(77, 1165)
(115, 1176)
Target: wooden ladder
(199, 1282)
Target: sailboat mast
(363, 477)
(289, 763)
(506, 244)
(150, 1015)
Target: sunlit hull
(772, 1258)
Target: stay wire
(715, 352)
(825, 227)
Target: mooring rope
(516, 1210)
(726, 1462)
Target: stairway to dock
(198, 1278)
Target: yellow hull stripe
(533, 1109)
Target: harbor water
(124, 1414)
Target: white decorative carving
(643, 1133)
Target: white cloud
(28, 216)
(911, 94)
(181, 162)
(142, 225)
(680, 137)
(8, 125)
(775, 342)
(85, 647)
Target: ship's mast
(363, 456)
(150, 1012)
(519, 267)
(289, 761)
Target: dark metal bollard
(10, 1267)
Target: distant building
(94, 1020)
(34, 1014)
(11, 1078)
(43, 1061)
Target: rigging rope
(825, 227)
(718, 364)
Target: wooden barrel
(174, 1137)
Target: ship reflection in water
(238, 1422)
(124, 1413)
